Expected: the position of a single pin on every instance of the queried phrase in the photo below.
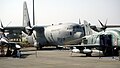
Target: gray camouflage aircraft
(39, 36)
(106, 40)
(65, 34)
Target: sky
(49, 12)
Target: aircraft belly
(72, 41)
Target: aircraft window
(76, 27)
(70, 33)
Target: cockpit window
(76, 28)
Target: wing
(98, 29)
(112, 26)
(14, 31)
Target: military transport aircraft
(39, 36)
(62, 34)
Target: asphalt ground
(53, 58)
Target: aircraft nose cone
(77, 35)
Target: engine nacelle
(87, 51)
(76, 51)
(97, 51)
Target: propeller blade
(101, 23)
(9, 23)
(103, 26)
(106, 22)
(1, 24)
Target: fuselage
(59, 34)
(62, 34)
(95, 38)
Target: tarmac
(52, 58)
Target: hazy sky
(61, 11)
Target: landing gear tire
(60, 48)
(88, 54)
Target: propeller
(28, 30)
(2, 35)
(1, 27)
(103, 26)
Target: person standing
(17, 52)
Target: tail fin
(26, 19)
(88, 30)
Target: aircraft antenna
(79, 21)
(33, 14)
